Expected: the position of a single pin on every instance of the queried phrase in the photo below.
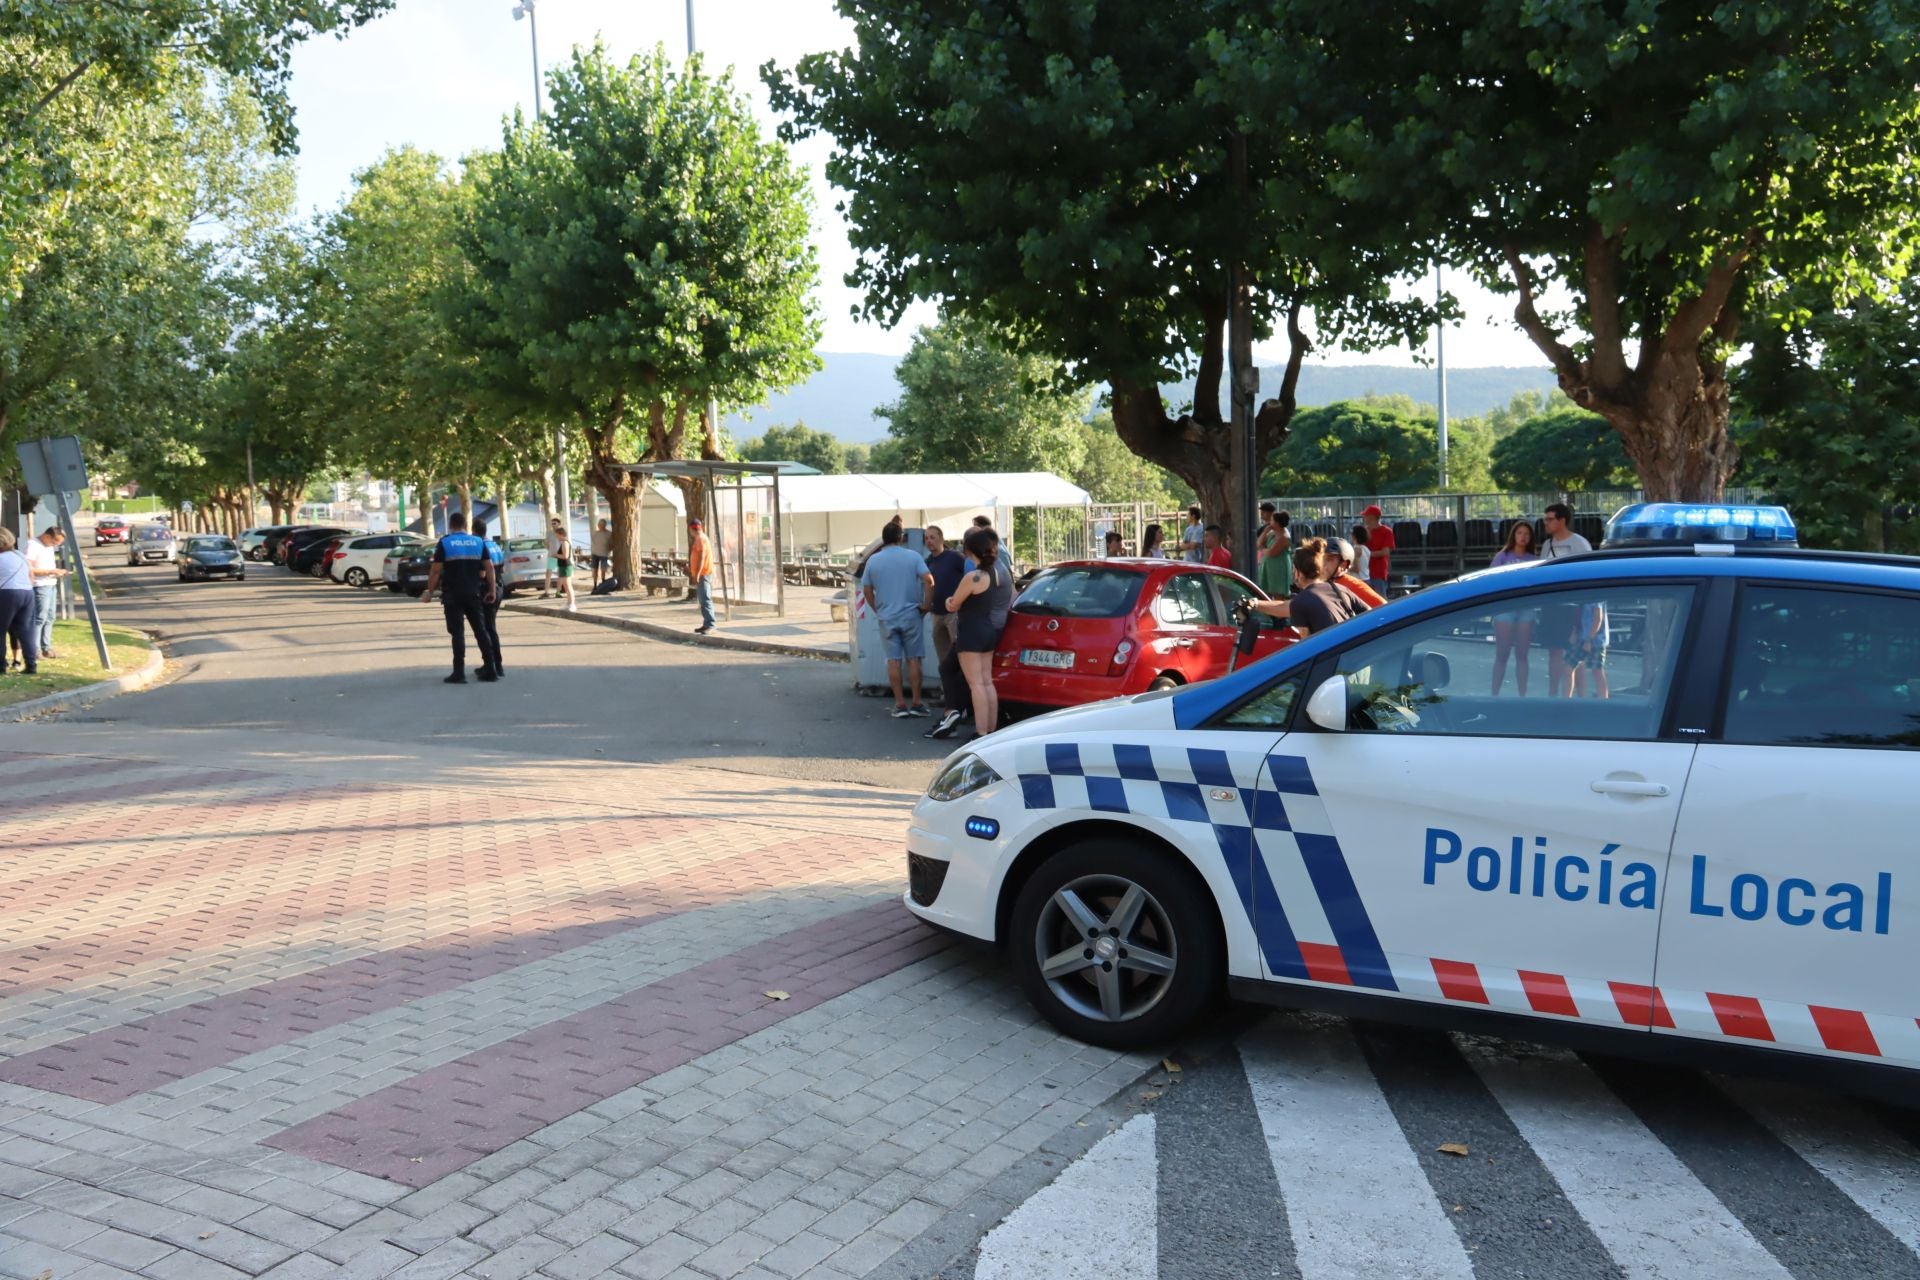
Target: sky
(441, 75)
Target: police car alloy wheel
(1113, 943)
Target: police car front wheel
(1114, 944)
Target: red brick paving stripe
(116, 1064)
(442, 1120)
(213, 851)
(92, 952)
(62, 769)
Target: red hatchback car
(109, 529)
(1084, 630)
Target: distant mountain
(841, 397)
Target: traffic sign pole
(79, 562)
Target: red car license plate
(1058, 659)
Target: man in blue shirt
(462, 572)
(491, 609)
(899, 589)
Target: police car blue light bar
(1652, 524)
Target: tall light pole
(562, 490)
(713, 405)
(1440, 353)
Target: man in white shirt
(1559, 622)
(1194, 536)
(1561, 539)
(43, 562)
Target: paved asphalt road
(283, 652)
(1286, 1145)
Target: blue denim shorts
(904, 640)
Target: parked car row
(399, 560)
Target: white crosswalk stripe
(1360, 1203)
(1356, 1198)
(1648, 1210)
(1096, 1221)
(1878, 1171)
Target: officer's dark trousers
(492, 614)
(465, 611)
(953, 682)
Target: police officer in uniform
(491, 610)
(462, 572)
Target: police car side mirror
(1328, 705)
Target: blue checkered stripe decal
(1275, 838)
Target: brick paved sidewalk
(301, 1013)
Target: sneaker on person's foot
(701, 631)
(486, 675)
(458, 677)
(948, 726)
(919, 711)
(901, 713)
(48, 653)
(572, 607)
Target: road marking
(1878, 1170)
(1649, 1212)
(1357, 1200)
(1097, 1220)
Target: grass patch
(78, 665)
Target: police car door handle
(1628, 787)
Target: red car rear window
(1083, 591)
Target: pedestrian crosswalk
(1327, 1140)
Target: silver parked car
(153, 544)
(526, 565)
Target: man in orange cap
(700, 573)
(1379, 549)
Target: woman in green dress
(1275, 544)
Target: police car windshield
(1083, 591)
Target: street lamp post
(562, 490)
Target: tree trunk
(1199, 450)
(620, 488)
(466, 500)
(1670, 406)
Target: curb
(148, 674)
(657, 631)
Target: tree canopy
(967, 403)
(1833, 401)
(1664, 162)
(1062, 173)
(1567, 449)
(800, 443)
(638, 251)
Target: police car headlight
(963, 777)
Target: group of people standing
(968, 593)
(1574, 635)
(29, 595)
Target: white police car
(1699, 821)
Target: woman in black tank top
(981, 603)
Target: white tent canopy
(844, 513)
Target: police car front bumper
(952, 878)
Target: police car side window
(1819, 667)
(1597, 662)
(1269, 709)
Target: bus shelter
(742, 519)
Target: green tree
(967, 403)
(860, 459)
(1354, 447)
(638, 251)
(1066, 173)
(1111, 472)
(1567, 449)
(119, 327)
(798, 443)
(1832, 402)
(60, 60)
(1660, 161)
